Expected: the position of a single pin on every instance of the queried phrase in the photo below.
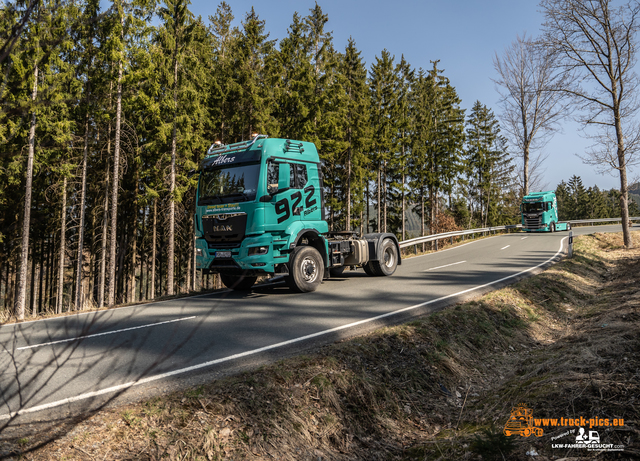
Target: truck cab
(259, 211)
(539, 211)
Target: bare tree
(536, 173)
(528, 82)
(598, 43)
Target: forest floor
(565, 344)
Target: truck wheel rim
(309, 269)
(389, 257)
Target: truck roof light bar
(219, 148)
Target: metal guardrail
(463, 233)
(435, 237)
(586, 221)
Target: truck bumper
(255, 255)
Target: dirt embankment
(564, 344)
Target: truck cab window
(301, 176)
(273, 172)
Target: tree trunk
(32, 284)
(153, 249)
(378, 227)
(624, 186)
(50, 269)
(83, 192)
(114, 193)
(26, 221)
(384, 196)
(41, 272)
(172, 187)
(367, 204)
(422, 215)
(63, 232)
(348, 218)
(103, 252)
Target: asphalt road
(85, 358)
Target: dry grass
(565, 342)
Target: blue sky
(463, 34)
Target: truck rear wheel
(389, 262)
(238, 282)
(306, 269)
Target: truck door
(283, 207)
(296, 194)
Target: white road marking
(440, 267)
(149, 379)
(523, 238)
(103, 334)
(504, 248)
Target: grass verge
(564, 343)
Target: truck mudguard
(375, 245)
(318, 242)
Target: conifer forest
(107, 108)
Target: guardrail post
(570, 252)
(436, 240)
(452, 240)
(415, 248)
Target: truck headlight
(258, 251)
(198, 251)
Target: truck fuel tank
(359, 253)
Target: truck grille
(533, 223)
(224, 229)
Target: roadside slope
(564, 343)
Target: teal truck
(260, 211)
(539, 212)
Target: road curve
(86, 358)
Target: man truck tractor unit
(260, 211)
(540, 213)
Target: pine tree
(357, 133)
(296, 88)
(382, 86)
(252, 51)
(437, 142)
(398, 171)
(578, 198)
(220, 103)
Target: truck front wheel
(553, 227)
(306, 269)
(389, 262)
(238, 282)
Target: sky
(464, 35)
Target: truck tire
(553, 227)
(238, 282)
(306, 269)
(389, 262)
(368, 268)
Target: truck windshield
(237, 183)
(532, 207)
